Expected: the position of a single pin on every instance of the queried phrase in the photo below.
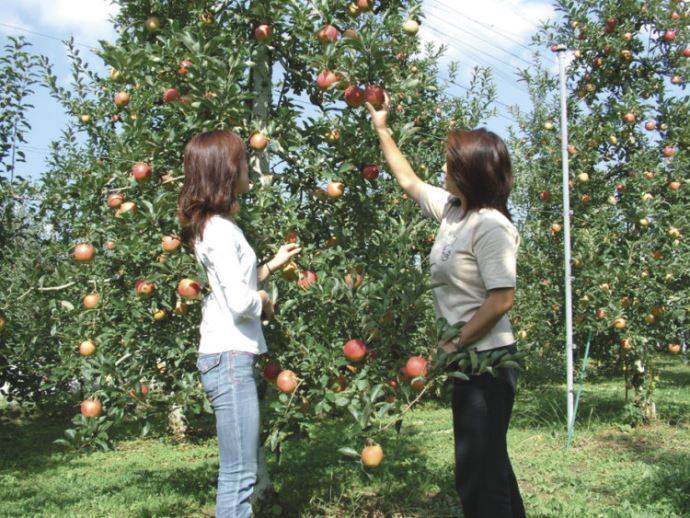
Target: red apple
(370, 172)
(291, 237)
(372, 455)
(335, 189)
(650, 125)
(144, 288)
(110, 245)
(263, 32)
(674, 185)
(354, 350)
(141, 171)
(325, 79)
(354, 96)
(364, 5)
(668, 151)
(171, 95)
(115, 200)
(83, 252)
(188, 288)
(170, 243)
(418, 385)
(185, 64)
(271, 370)
(258, 141)
(629, 117)
(127, 207)
(674, 348)
(416, 366)
(287, 381)
(87, 348)
(121, 99)
(670, 35)
(544, 195)
(91, 300)
(686, 52)
(611, 24)
(91, 408)
(328, 34)
(374, 95)
(307, 278)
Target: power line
(497, 32)
(23, 29)
(491, 44)
(529, 22)
(479, 54)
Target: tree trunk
(262, 84)
(177, 423)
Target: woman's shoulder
(218, 225)
(489, 218)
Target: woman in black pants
(473, 261)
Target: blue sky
(488, 33)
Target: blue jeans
(228, 380)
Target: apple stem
(292, 396)
(406, 409)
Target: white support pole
(566, 241)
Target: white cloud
(87, 20)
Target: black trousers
(484, 477)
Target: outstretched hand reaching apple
(284, 255)
(380, 117)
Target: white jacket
(231, 314)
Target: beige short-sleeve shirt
(474, 252)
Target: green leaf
(349, 452)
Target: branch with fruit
(444, 366)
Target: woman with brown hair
(473, 260)
(215, 174)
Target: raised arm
(399, 166)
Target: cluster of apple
(355, 350)
(187, 289)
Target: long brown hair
(479, 164)
(212, 165)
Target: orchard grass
(611, 470)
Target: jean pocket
(208, 366)
(241, 366)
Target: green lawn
(611, 470)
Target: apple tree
(291, 78)
(21, 233)
(628, 150)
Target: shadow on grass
(669, 478)
(313, 475)
(28, 443)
